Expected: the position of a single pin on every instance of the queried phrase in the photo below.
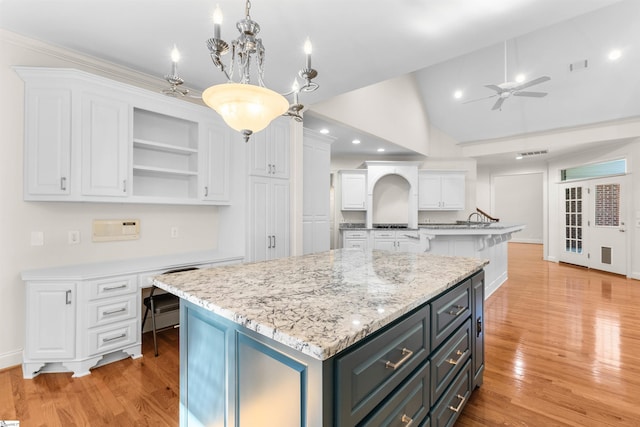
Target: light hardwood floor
(562, 349)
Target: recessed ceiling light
(457, 94)
(520, 78)
(615, 54)
(324, 131)
(355, 141)
(380, 150)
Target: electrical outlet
(174, 232)
(73, 237)
(37, 238)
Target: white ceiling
(449, 44)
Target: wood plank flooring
(562, 349)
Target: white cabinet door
(360, 244)
(47, 142)
(385, 245)
(105, 146)
(214, 152)
(354, 190)
(269, 150)
(453, 191)
(269, 219)
(316, 166)
(441, 191)
(51, 320)
(428, 192)
(279, 210)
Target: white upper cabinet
(47, 142)
(269, 150)
(354, 190)
(215, 153)
(105, 146)
(88, 138)
(441, 190)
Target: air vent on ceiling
(579, 65)
(533, 153)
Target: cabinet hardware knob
(406, 353)
(63, 183)
(107, 313)
(123, 335)
(461, 309)
(68, 297)
(457, 409)
(460, 355)
(407, 421)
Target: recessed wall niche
(391, 200)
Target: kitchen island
(337, 338)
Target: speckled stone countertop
(322, 303)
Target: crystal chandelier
(246, 107)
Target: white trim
(11, 359)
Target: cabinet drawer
(384, 234)
(449, 311)
(446, 412)
(409, 405)
(112, 337)
(449, 360)
(355, 234)
(112, 287)
(105, 311)
(367, 374)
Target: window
(614, 167)
(573, 219)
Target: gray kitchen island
(339, 338)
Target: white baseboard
(635, 275)
(490, 288)
(11, 359)
(532, 241)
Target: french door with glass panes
(593, 222)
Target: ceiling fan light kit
(505, 90)
(246, 107)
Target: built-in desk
(82, 316)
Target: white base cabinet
(81, 317)
(269, 216)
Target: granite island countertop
(322, 303)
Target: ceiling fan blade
(532, 94)
(498, 103)
(495, 87)
(479, 99)
(532, 82)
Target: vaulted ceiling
(448, 44)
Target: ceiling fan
(507, 89)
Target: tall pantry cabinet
(269, 222)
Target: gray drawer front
(449, 360)
(446, 412)
(450, 311)
(409, 404)
(426, 423)
(366, 375)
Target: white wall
(391, 110)
(519, 198)
(198, 226)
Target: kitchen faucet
(477, 214)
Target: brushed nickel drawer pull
(406, 353)
(458, 353)
(113, 288)
(462, 399)
(123, 335)
(461, 309)
(120, 310)
(407, 420)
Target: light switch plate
(109, 230)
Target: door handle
(270, 246)
(274, 241)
